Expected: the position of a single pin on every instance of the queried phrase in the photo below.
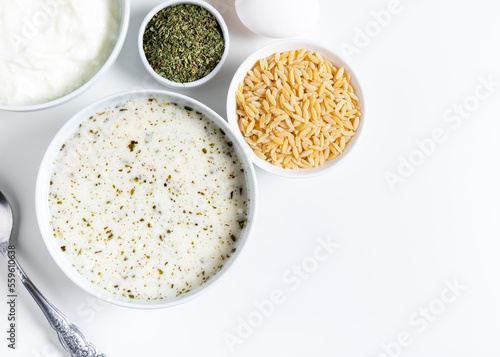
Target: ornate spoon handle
(72, 339)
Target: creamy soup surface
(148, 199)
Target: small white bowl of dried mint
(183, 44)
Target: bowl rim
(202, 80)
(42, 188)
(288, 45)
(122, 34)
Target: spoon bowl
(6, 224)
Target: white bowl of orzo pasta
(297, 108)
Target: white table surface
(384, 290)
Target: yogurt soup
(148, 199)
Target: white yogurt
(148, 199)
(48, 48)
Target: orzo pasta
(296, 109)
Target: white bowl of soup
(145, 198)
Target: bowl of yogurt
(145, 198)
(51, 52)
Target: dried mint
(183, 43)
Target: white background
(398, 248)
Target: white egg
(278, 18)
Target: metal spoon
(70, 336)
